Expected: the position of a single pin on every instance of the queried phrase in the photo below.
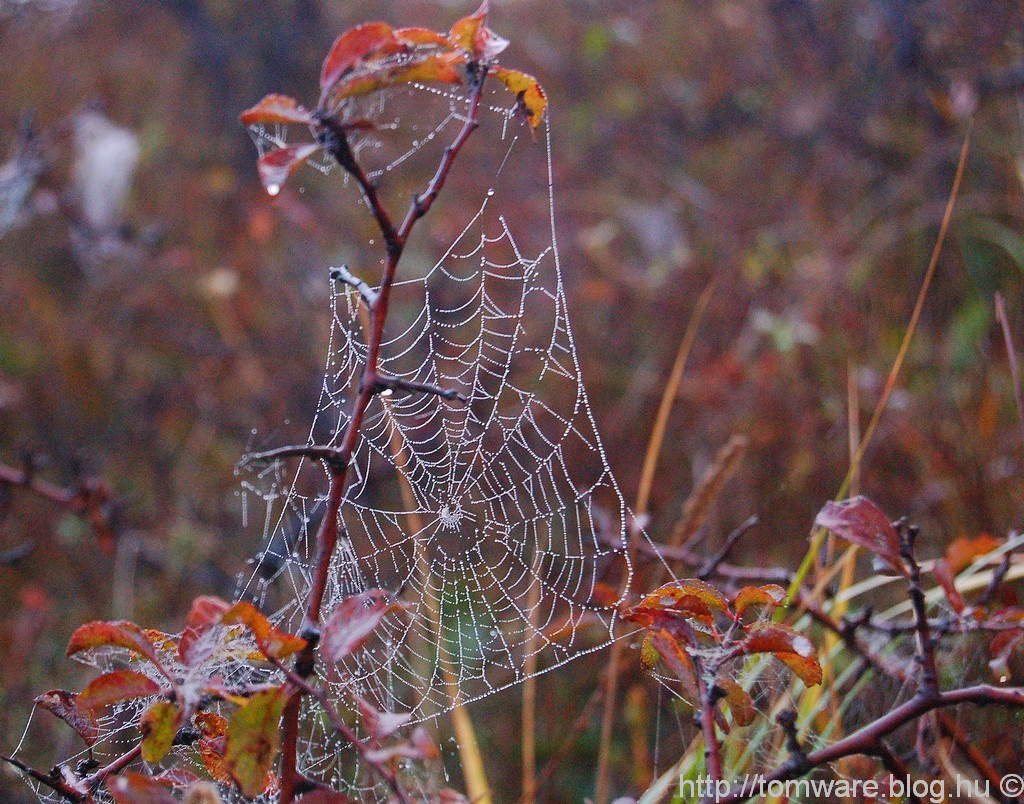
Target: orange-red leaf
(351, 47)
(136, 788)
(195, 644)
(120, 685)
(692, 598)
(738, 701)
(271, 641)
(159, 724)
(472, 35)
(253, 740)
(943, 573)
(430, 68)
(421, 36)
(117, 634)
(64, 705)
(793, 649)
(768, 595)
(275, 109)
(352, 622)
(962, 551)
(806, 668)
(860, 521)
(276, 166)
(677, 660)
(464, 31)
(531, 98)
(776, 638)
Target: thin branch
(867, 739)
(91, 500)
(384, 384)
(343, 274)
(709, 697)
(334, 138)
(929, 681)
(710, 567)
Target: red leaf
(135, 788)
(194, 646)
(120, 685)
(531, 98)
(962, 552)
(276, 166)
(352, 622)
(768, 595)
(860, 521)
(271, 641)
(253, 740)
(275, 109)
(678, 662)
(421, 36)
(738, 701)
(472, 34)
(64, 705)
(776, 638)
(380, 725)
(692, 598)
(793, 649)
(947, 580)
(433, 67)
(117, 634)
(352, 47)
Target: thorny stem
(335, 141)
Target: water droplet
(273, 189)
(372, 241)
(387, 392)
(490, 192)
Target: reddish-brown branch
(712, 748)
(335, 140)
(91, 500)
(869, 739)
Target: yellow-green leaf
(158, 725)
(254, 740)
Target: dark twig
(896, 767)
(385, 384)
(867, 739)
(710, 567)
(928, 685)
(91, 500)
(787, 721)
(55, 781)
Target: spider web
(494, 518)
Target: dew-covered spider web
(494, 517)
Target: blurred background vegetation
(798, 152)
